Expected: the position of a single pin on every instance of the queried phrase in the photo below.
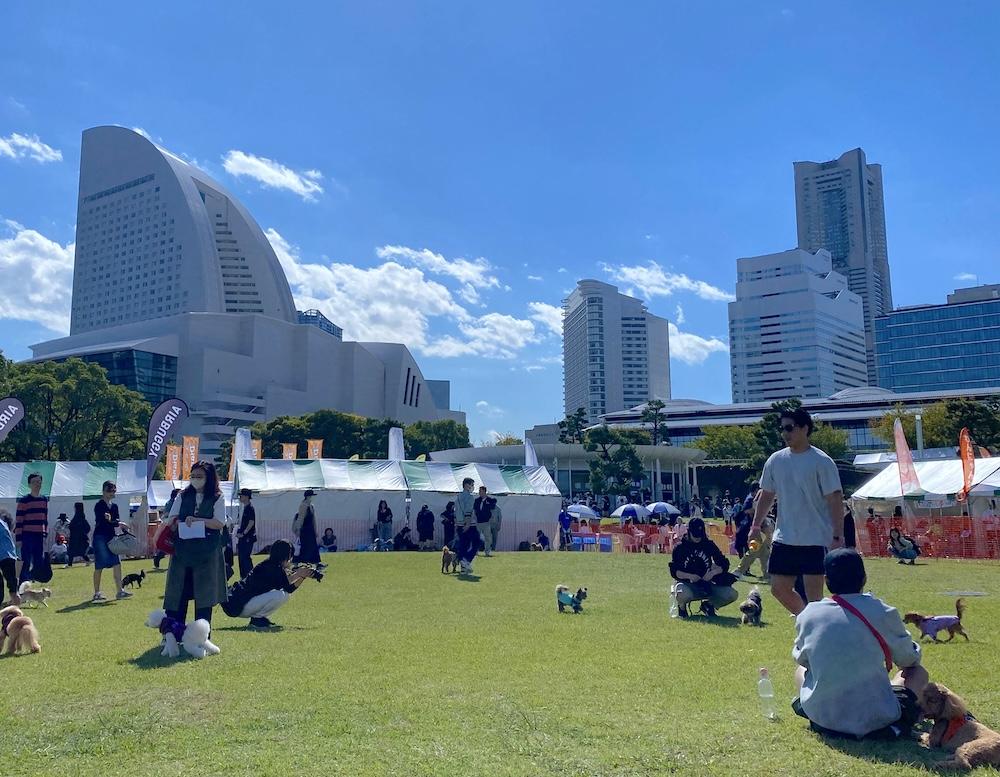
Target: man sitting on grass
(701, 571)
(845, 690)
(266, 588)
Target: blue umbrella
(631, 511)
(658, 508)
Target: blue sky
(476, 159)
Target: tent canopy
(80, 479)
(275, 475)
(938, 479)
(159, 491)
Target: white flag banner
(396, 452)
(530, 457)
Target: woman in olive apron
(197, 569)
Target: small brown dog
(954, 729)
(930, 625)
(35, 596)
(449, 558)
(17, 632)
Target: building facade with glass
(616, 353)
(955, 346)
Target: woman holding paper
(197, 569)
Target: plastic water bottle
(766, 692)
(675, 609)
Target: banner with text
(189, 457)
(315, 448)
(289, 450)
(165, 419)
(173, 462)
(11, 413)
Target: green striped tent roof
(340, 475)
(73, 478)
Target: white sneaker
(123, 594)
(464, 566)
(99, 597)
(488, 554)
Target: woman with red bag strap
(845, 646)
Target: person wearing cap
(701, 571)
(806, 484)
(246, 534)
(305, 527)
(844, 687)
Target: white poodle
(193, 637)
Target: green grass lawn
(389, 667)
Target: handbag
(163, 542)
(124, 544)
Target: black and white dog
(752, 608)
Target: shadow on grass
(907, 752)
(276, 629)
(723, 621)
(85, 605)
(468, 578)
(152, 659)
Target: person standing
(743, 519)
(246, 534)
(305, 528)
(565, 533)
(850, 534)
(383, 522)
(481, 508)
(8, 557)
(810, 519)
(493, 527)
(448, 522)
(79, 535)
(106, 523)
(425, 528)
(31, 527)
(468, 537)
(197, 568)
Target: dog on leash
(752, 608)
(17, 633)
(955, 729)
(565, 599)
(930, 625)
(36, 596)
(134, 579)
(449, 558)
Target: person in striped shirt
(31, 527)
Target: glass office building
(949, 347)
(154, 375)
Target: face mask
(198, 483)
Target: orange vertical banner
(258, 449)
(315, 449)
(968, 456)
(172, 462)
(189, 457)
(289, 451)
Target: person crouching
(267, 587)
(701, 571)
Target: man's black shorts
(909, 716)
(795, 560)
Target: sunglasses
(787, 427)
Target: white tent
(68, 482)
(939, 482)
(159, 493)
(348, 493)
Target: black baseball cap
(845, 571)
(245, 492)
(310, 492)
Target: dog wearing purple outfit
(931, 625)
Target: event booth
(932, 514)
(348, 494)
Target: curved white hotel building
(177, 292)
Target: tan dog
(35, 596)
(930, 625)
(17, 632)
(956, 730)
(449, 558)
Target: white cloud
(693, 349)
(17, 146)
(494, 336)
(679, 314)
(549, 316)
(535, 278)
(562, 269)
(273, 175)
(966, 276)
(651, 280)
(485, 408)
(44, 272)
(17, 106)
(473, 274)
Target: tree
(728, 443)
(636, 436)
(980, 418)
(617, 464)
(571, 429)
(342, 433)
(73, 413)
(653, 415)
(422, 437)
(508, 438)
(883, 427)
(833, 442)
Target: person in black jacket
(425, 528)
(267, 587)
(448, 522)
(79, 535)
(701, 571)
(246, 534)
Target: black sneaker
(706, 609)
(260, 623)
(682, 611)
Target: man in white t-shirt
(810, 515)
